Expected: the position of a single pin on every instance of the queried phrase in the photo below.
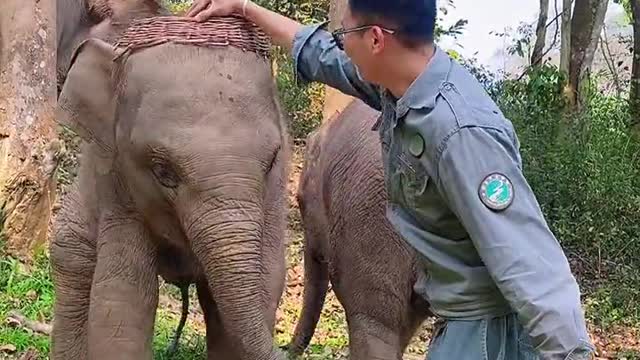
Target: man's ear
(87, 101)
(378, 40)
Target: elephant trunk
(226, 236)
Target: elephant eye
(165, 174)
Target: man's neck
(407, 68)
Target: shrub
(302, 104)
(583, 167)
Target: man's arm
(316, 56)
(510, 234)
(280, 28)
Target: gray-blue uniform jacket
(457, 194)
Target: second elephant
(349, 242)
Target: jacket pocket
(414, 179)
(526, 351)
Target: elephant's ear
(87, 101)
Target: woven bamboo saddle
(215, 32)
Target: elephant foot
(291, 351)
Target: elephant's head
(193, 134)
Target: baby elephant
(169, 185)
(349, 241)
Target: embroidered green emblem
(416, 145)
(496, 192)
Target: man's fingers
(204, 15)
(197, 7)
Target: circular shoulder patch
(416, 145)
(496, 192)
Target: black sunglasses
(338, 34)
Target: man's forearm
(280, 28)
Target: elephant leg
(417, 314)
(370, 339)
(383, 329)
(316, 284)
(73, 259)
(218, 347)
(124, 295)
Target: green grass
(192, 343)
(628, 355)
(615, 301)
(30, 291)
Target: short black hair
(413, 20)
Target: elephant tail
(184, 293)
(316, 284)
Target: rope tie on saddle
(215, 32)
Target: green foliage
(521, 41)
(615, 301)
(30, 292)
(178, 7)
(626, 4)
(584, 169)
(304, 11)
(452, 31)
(303, 104)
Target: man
(496, 273)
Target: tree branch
(36, 326)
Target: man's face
(361, 47)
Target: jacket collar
(423, 91)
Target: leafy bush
(584, 167)
(302, 104)
(178, 6)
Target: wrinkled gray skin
(349, 242)
(182, 175)
(76, 20)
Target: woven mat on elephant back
(215, 32)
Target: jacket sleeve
(316, 57)
(520, 251)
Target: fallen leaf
(8, 348)
(12, 322)
(30, 355)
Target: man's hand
(202, 10)
(281, 29)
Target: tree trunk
(28, 140)
(565, 36)
(634, 96)
(334, 100)
(541, 34)
(586, 25)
